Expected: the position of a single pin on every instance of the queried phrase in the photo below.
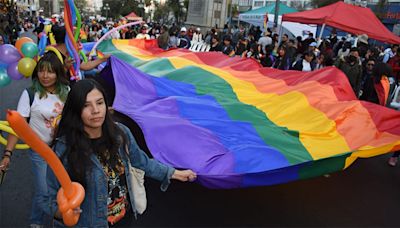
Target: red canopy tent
(353, 19)
(133, 17)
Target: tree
(122, 7)
(175, 8)
(80, 4)
(161, 13)
(322, 3)
(128, 7)
(147, 3)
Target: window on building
(258, 3)
(217, 14)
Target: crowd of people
(91, 144)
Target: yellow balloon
(52, 39)
(26, 66)
(47, 28)
(4, 126)
(57, 52)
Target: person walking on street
(97, 153)
(42, 104)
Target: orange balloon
(21, 41)
(71, 194)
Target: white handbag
(136, 179)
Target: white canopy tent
(293, 29)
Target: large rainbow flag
(239, 125)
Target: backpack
(31, 95)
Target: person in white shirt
(143, 34)
(265, 40)
(197, 36)
(313, 48)
(42, 104)
(306, 64)
(389, 53)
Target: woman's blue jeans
(39, 170)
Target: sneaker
(392, 161)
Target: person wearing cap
(143, 34)
(362, 45)
(313, 47)
(183, 39)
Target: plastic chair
(396, 99)
(193, 46)
(207, 48)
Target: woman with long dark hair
(282, 61)
(42, 104)
(96, 152)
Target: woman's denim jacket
(94, 206)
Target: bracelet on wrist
(6, 156)
(7, 153)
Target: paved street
(366, 194)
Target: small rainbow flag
(100, 54)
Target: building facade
(208, 13)
(299, 4)
(307, 4)
(31, 6)
(93, 6)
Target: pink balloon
(13, 73)
(9, 54)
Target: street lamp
(106, 8)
